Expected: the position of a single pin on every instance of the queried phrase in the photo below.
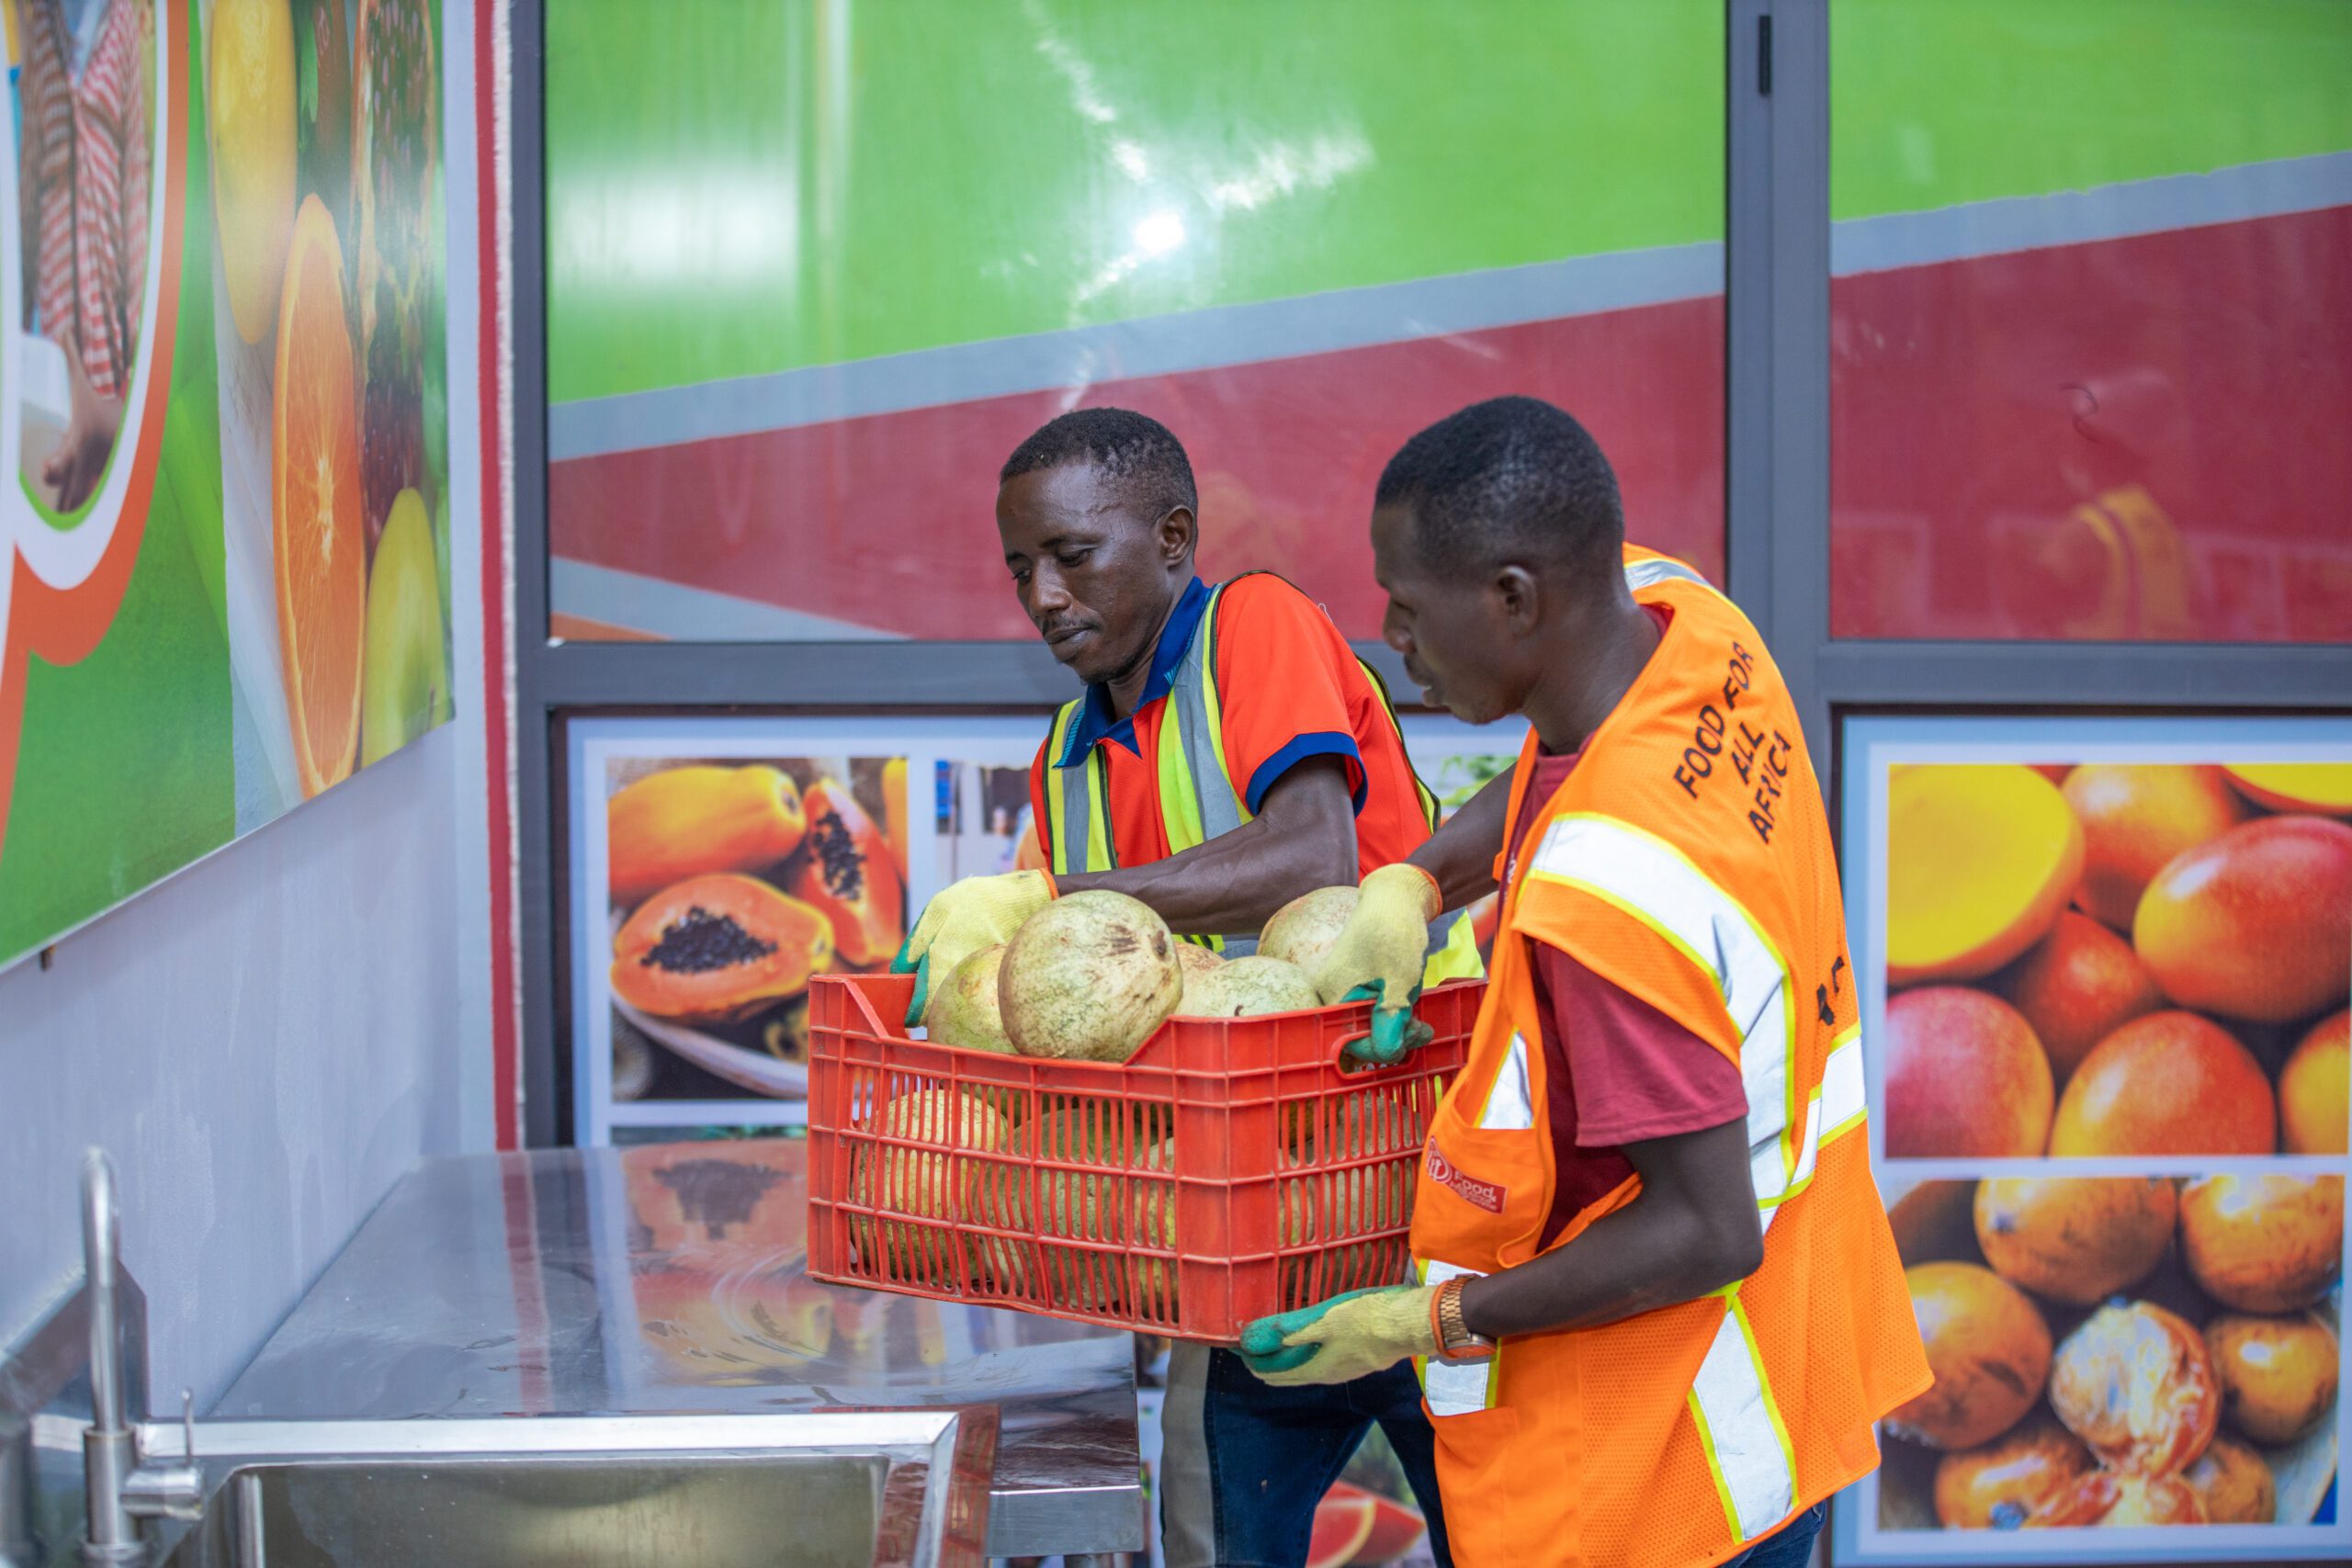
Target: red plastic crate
(1290, 1179)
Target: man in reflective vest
(1660, 1310)
(1229, 753)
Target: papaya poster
(2106, 966)
(717, 863)
(224, 554)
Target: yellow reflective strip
(1056, 824)
(1180, 800)
(1673, 895)
(1771, 1406)
(1455, 1388)
(1844, 1097)
(1714, 1465)
(1214, 704)
(1098, 836)
(1426, 796)
(1510, 1100)
(1740, 1428)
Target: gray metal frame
(1776, 464)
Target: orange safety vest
(1688, 860)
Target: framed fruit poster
(718, 863)
(2105, 968)
(689, 994)
(224, 548)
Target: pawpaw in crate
(1229, 1168)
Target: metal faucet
(101, 1328)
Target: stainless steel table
(668, 1278)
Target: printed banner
(2105, 965)
(224, 557)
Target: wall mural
(224, 567)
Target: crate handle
(1347, 1063)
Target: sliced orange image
(2324, 788)
(318, 534)
(1981, 859)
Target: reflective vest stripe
(1455, 1388)
(1844, 1099)
(1643, 574)
(1198, 800)
(1510, 1103)
(1654, 882)
(1740, 1428)
(1084, 839)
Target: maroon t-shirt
(1616, 1070)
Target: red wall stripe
(506, 1046)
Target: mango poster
(225, 567)
(2107, 1036)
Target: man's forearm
(1461, 854)
(1304, 838)
(1690, 1231)
(1624, 1264)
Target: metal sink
(719, 1492)
(593, 1514)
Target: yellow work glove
(962, 919)
(1349, 1337)
(1380, 955)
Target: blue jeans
(1791, 1546)
(1244, 1463)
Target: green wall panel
(1938, 102)
(741, 188)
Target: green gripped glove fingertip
(1280, 1360)
(1370, 991)
(921, 997)
(1263, 1337)
(900, 962)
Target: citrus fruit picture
(251, 90)
(317, 537)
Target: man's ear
(1520, 598)
(1179, 532)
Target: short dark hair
(1133, 450)
(1508, 478)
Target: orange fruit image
(1964, 1075)
(2314, 1106)
(2113, 1499)
(2076, 1239)
(1980, 858)
(2322, 787)
(2171, 1083)
(1989, 1350)
(2077, 986)
(2136, 817)
(2256, 924)
(2233, 1484)
(1932, 1223)
(2277, 1374)
(2135, 1383)
(318, 537)
(2263, 1243)
(1998, 1485)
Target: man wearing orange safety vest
(1229, 752)
(1659, 1309)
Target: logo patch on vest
(1469, 1188)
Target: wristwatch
(1455, 1342)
